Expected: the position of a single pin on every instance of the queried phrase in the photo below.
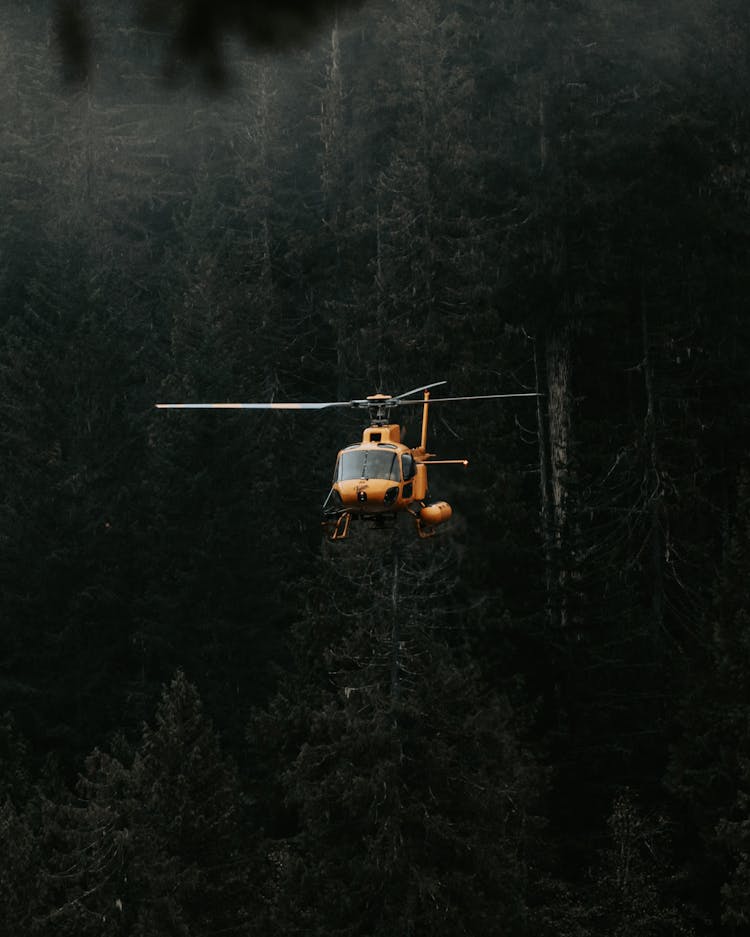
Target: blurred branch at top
(196, 29)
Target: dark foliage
(534, 723)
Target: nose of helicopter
(366, 494)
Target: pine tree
(709, 765)
(68, 431)
(634, 892)
(155, 844)
(413, 795)
(19, 869)
(194, 867)
(19, 858)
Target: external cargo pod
(435, 513)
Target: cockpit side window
(408, 466)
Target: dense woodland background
(538, 721)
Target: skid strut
(424, 530)
(339, 529)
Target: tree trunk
(558, 374)
(545, 509)
(332, 186)
(395, 631)
(652, 480)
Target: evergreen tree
(155, 845)
(634, 888)
(414, 807)
(19, 869)
(68, 432)
(195, 859)
(709, 765)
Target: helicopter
(380, 477)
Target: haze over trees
(536, 722)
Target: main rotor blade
(417, 390)
(450, 399)
(253, 406)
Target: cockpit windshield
(368, 463)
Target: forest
(535, 723)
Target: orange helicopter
(379, 478)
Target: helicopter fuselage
(381, 476)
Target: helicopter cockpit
(368, 463)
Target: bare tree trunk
(263, 132)
(558, 368)
(543, 141)
(558, 409)
(395, 631)
(545, 509)
(331, 117)
(653, 480)
(332, 142)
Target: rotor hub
(379, 407)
